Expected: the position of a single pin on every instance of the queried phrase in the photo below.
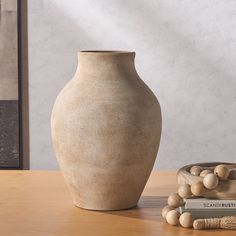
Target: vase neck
(105, 64)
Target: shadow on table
(148, 208)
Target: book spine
(214, 213)
(211, 205)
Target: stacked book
(208, 208)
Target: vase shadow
(148, 208)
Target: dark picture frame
(14, 113)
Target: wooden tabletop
(38, 203)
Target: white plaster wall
(186, 53)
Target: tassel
(226, 222)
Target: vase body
(106, 127)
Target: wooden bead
(174, 200)
(222, 171)
(197, 189)
(195, 170)
(184, 191)
(205, 172)
(172, 217)
(165, 210)
(210, 181)
(186, 220)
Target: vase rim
(105, 52)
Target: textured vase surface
(106, 127)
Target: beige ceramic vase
(106, 127)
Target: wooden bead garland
(172, 217)
(174, 200)
(197, 189)
(222, 171)
(186, 220)
(165, 210)
(205, 172)
(184, 191)
(210, 180)
(196, 170)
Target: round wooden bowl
(226, 189)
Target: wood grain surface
(38, 203)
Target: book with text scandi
(209, 203)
